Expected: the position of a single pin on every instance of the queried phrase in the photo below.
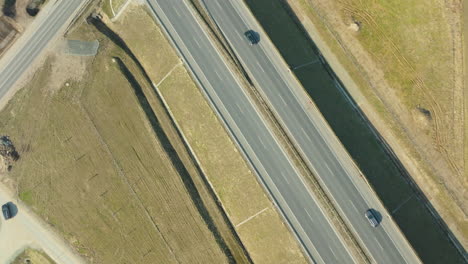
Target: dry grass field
(106, 170)
(32, 256)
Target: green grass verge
(26, 197)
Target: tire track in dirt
(440, 137)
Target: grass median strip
(267, 240)
(233, 183)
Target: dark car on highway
(6, 211)
(372, 218)
(252, 36)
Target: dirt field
(32, 256)
(256, 221)
(406, 58)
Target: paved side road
(242, 119)
(26, 230)
(303, 122)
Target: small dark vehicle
(6, 211)
(372, 218)
(252, 36)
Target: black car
(6, 211)
(372, 218)
(252, 36)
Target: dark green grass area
(383, 172)
(416, 222)
(355, 135)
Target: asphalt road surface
(51, 21)
(305, 125)
(253, 135)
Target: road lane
(252, 134)
(326, 157)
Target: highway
(252, 134)
(311, 134)
(50, 23)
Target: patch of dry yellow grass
(33, 256)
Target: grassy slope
(411, 42)
(408, 38)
